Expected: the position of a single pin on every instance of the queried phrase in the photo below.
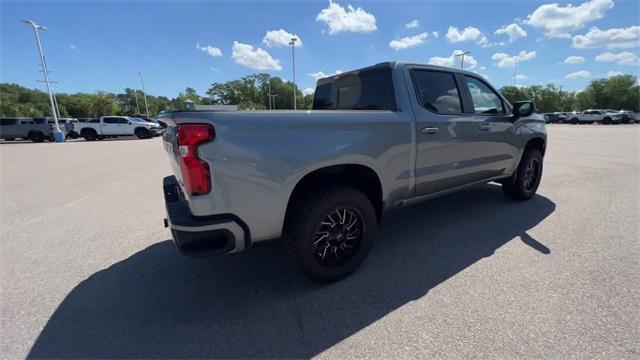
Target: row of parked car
(41, 129)
(591, 116)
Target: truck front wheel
(527, 177)
(331, 231)
(143, 133)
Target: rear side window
(437, 91)
(369, 90)
(485, 100)
(115, 120)
(7, 122)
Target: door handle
(429, 130)
(484, 127)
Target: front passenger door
(495, 122)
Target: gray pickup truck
(377, 139)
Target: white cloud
(320, 74)
(412, 24)
(621, 58)
(558, 21)
(214, 69)
(484, 76)
(611, 73)
(339, 19)
(435, 34)
(483, 68)
(506, 60)
(408, 41)
(470, 62)
(257, 59)
(574, 60)
(210, 50)
(612, 38)
(308, 91)
(521, 77)
(513, 31)
(277, 38)
(470, 33)
(578, 74)
(73, 47)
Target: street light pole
(293, 58)
(144, 93)
(269, 95)
(57, 133)
(462, 59)
(135, 93)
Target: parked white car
(591, 116)
(114, 126)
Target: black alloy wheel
(338, 236)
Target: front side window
(437, 91)
(485, 100)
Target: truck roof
(392, 65)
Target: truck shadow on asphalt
(158, 304)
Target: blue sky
(102, 45)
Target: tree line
(252, 92)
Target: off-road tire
(305, 218)
(525, 184)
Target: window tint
(485, 100)
(115, 120)
(28, 122)
(437, 91)
(96, 120)
(370, 90)
(39, 120)
(7, 122)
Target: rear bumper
(201, 236)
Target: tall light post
(135, 93)
(57, 134)
(462, 60)
(144, 93)
(293, 58)
(515, 63)
(269, 95)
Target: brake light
(195, 172)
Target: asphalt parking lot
(87, 269)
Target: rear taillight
(195, 172)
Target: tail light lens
(195, 172)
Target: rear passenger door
(495, 122)
(449, 149)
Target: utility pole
(144, 93)
(269, 95)
(293, 58)
(515, 63)
(135, 93)
(462, 58)
(274, 100)
(58, 135)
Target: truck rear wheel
(89, 134)
(331, 231)
(527, 177)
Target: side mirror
(523, 108)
